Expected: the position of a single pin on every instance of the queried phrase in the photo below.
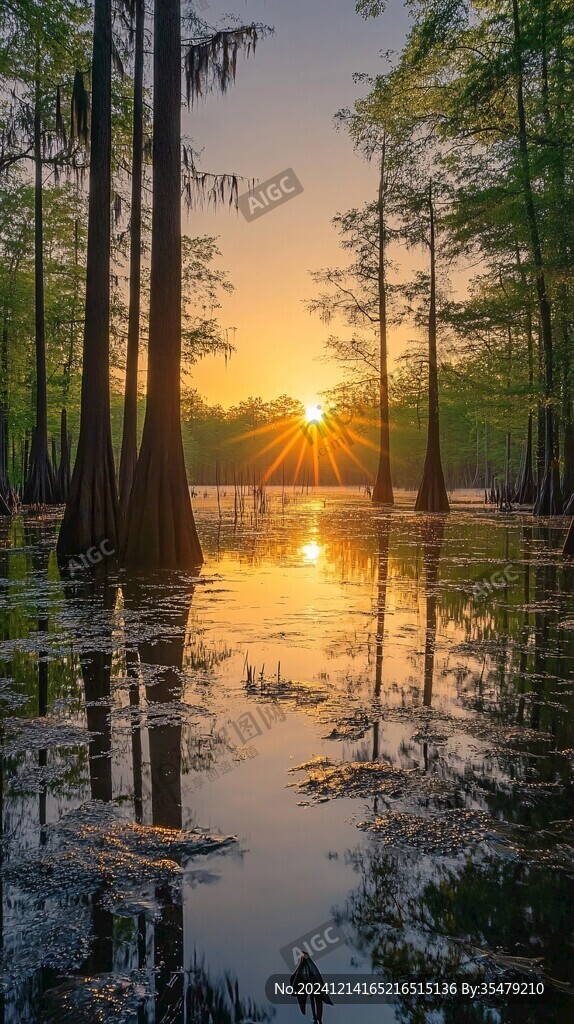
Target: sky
(279, 115)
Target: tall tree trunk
(432, 496)
(63, 478)
(567, 412)
(129, 452)
(160, 528)
(568, 475)
(91, 510)
(383, 489)
(67, 374)
(549, 499)
(39, 486)
(507, 495)
(525, 489)
(540, 419)
(563, 234)
(25, 454)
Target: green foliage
(449, 109)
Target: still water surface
(349, 714)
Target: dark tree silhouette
(549, 500)
(91, 510)
(63, 477)
(129, 450)
(94, 590)
(525, 488)
(160, 529)
(383, 489)
(432, 496)
(166, 652)
(40, 484)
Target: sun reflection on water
(311, 551)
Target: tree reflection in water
(475, 913)
(165, 653)
(135, 964)
(448, 715)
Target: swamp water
(349, 714)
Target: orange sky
(279, 114)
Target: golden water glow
(311, 551)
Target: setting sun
(313, 414)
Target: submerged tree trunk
(568, 475)
(129, 452)
(549, 501)
(161, 529)
(39, 485)
(383, 489)
(432, 496)
(63, 478)
(25, 453)
(91, 511)
(525, 489)
(508, 495)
